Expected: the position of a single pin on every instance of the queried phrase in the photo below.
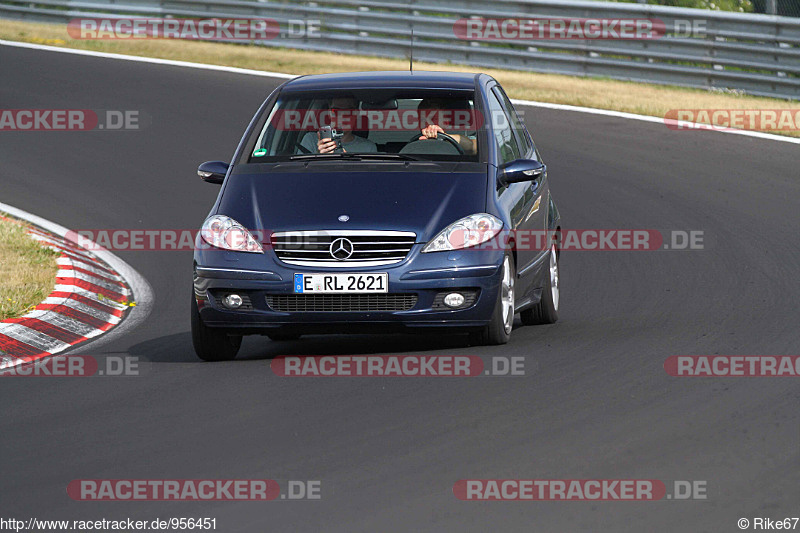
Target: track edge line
(285, 76)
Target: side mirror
(213, 171)
(521, 170)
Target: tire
(499, 329)
(210, 344)
(546, 311)
(277, 337)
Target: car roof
(395, 79)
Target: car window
(507, 147)
(523, 140)
(376, 121)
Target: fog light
(454, 299)
(232, 301)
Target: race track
(596, 402)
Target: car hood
(423, 202)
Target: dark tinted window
(507, 147)
(523, 141)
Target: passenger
(351, 143)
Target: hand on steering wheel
(436, 132)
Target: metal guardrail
(757, 54)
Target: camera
(328, 132)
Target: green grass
(27, 270)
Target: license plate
(341, 283)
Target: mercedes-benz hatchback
(377, 202)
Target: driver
(467, 142)
(351, 143)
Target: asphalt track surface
(596, 403)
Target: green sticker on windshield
(260, 152)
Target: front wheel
(211, 344)
(499, 329)
(546, 311)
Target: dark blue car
(377, 202)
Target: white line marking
(89, 294)
(100, 282)
(70, 247)
(282, 75)
(645, 118)
(66, 323)
(154, 60)
(37, 339)
(83, 308)
(81, 259)
(96, 272)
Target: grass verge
(640, 98)
(27, 270)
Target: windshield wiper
(354, 156)
(402, 157)
(301, 157)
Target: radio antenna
(411, 53)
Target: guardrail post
(772, 7)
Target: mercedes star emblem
(341, 249)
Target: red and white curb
(84, 304)
(91, 297)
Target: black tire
(211, 344)
(546, 311)
(283, 336)
(498, 331)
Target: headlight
(466, 232)
(224, 232)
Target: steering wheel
(441, 136)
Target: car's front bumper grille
(338, 248)
(290, 303)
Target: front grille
(359, 248)
(341, 302)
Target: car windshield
(395, 124)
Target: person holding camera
(349, 142)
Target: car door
(528, 213)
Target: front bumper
(217, 272)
